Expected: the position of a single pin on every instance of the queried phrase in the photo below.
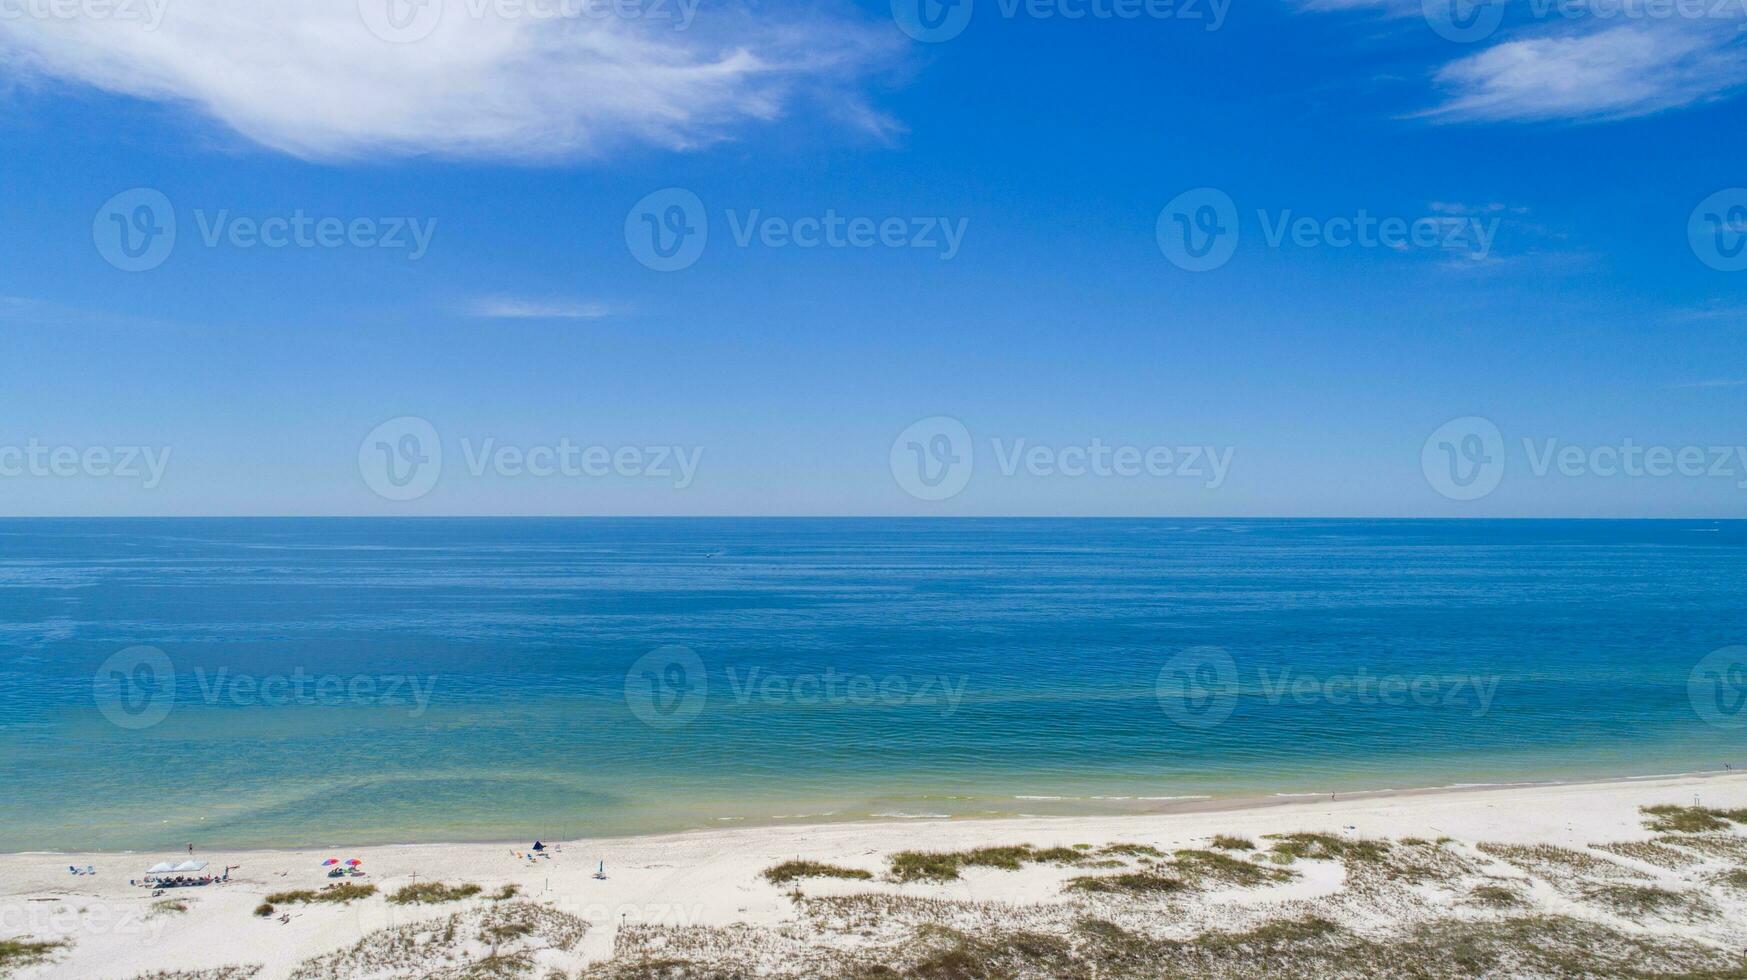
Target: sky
(1055, 257)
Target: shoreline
(709, 886)
(1167, 807)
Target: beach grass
(1495, 896)
(433, 893)
(946, 865)
(1128, 883)
(1671, 819)
(1327, 847)
(1226, 842)
(1650, 852)
(1639, 901)
(1202, 866)
(16, 954)
(1131, 850)
(789, 871)
(339, 894)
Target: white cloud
(1575, 60)
(307, 77)
(506, 308)
(1612, 73)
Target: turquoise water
(467, 679)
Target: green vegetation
(1670, 819)
(1132, 883)
(946, 865)
(1650, 852)
(433, 893)
(18, 953)
(1131, 850)
(338, 894)
(265, 909)
(1554, 862)
(1328, 847)
(1495, 896)
(795, 870)
(1225, 842)
(506, 893)
(168, 906)
(1200, 866)
(1637, 901)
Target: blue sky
(1555, 165)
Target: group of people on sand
(181, 881)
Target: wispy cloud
(507, 308)
(1614, 73)
(1554, 60)
(310, 78)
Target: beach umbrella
(160, 868)
(353, 863)
(330, 862)
(189, 866)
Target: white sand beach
(672, 899)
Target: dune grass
(1328, 847)
(433, 893)
(18, 953)
(789, 871)
(339, 894)
(1671, 819)
(946, 865)
(1128, 883)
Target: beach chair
(72, 869)
(90, 869)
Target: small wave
(1037, 797)
(913, 816)
(1175, 797)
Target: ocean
(291, 682)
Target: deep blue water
(473, 673)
